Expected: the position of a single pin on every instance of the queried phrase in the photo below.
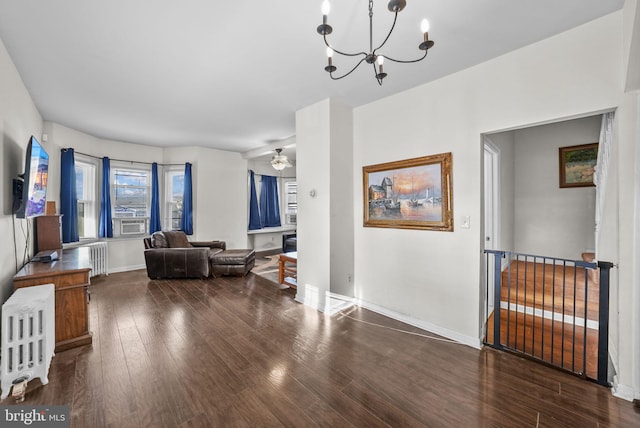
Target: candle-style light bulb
(381, 74)
(424, 26)
(426, 43)
(330, 68)
(325, 29)
(326, 7)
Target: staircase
(551, 310)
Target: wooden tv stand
(70, 276)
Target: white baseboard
(622, 391)
(432, 328)
(625, 392)
(336, 303)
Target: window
(174, 187)
(86, 192)
(130, 199)
(290, 201)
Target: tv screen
(34, 185)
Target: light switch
(465, 222)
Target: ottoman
(232, 262)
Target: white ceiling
(231, 75)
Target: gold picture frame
(577, 165)
(409, 194)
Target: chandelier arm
(350, 71)
(395, 18)
(375, 73)
(342, 53)
(407, 61)
(371, 26)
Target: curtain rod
(130, 161)
(265, 175)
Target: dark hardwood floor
(554, 342)
(232, 351)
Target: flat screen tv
(30, 190)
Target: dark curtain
(269, 203)
(106, 223)
(187, 202)
(254, 211)
(68, 197)
(154, 223)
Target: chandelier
(372, 56)
(279, 162)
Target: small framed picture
(577, 165)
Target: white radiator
(28, 335)
(99, 258)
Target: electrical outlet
(465, 222)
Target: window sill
(129, 237)
(285, 228)
(81, 242)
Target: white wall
(620, 247)
(631, 43)
(341, 203)
(549, 220)
(325, 203)
(19, 119)
(220, 195)
(314, 220)
(635, 290)
(628, 297)
(433, 277)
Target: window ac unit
(132, 226)
(291, 218)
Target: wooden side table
(287, 269)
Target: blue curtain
(254, 211)
(187, 202)
(269, 204)
(106, 223)
(68, 197)
(154, 223)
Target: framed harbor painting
(409, 194)
(577, 165)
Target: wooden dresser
(70, 276)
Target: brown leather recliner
(169, 254)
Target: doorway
(491, 223)
(547, 305)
